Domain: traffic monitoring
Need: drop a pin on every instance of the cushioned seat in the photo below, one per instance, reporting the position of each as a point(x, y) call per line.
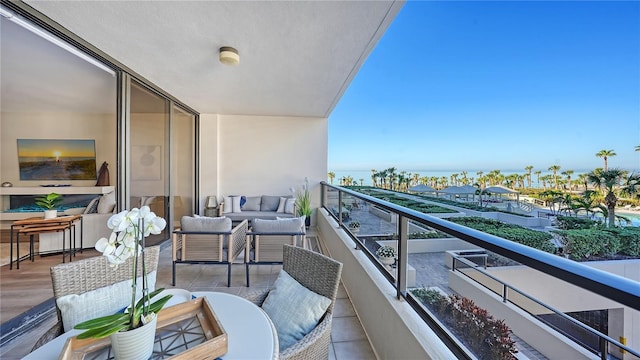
point(206, 240)
point(86, 282)
point(267, 237)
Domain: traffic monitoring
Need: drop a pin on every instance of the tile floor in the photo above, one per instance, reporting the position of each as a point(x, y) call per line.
point(348, 339)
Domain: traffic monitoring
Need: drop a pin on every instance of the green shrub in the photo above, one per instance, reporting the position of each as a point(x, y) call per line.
point(574, 223)
point(629, 239)
point(584, 244)
point(532, 238)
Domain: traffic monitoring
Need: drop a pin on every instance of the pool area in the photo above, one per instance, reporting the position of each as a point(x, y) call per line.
point(633, 217)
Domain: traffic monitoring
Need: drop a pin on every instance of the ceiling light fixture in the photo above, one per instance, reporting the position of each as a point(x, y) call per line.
point(54, 39)
point(229, 56)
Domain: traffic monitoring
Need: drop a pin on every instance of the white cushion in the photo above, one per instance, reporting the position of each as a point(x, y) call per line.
point(293, 309)
point(289, 205)
point(99, 302)
point(281, 204)
point(107, 203)
point(236, 203)
point(228, 205)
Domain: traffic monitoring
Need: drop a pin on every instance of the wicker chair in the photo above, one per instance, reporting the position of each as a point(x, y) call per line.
point(264, 243)
point(89, 274)
point(199, 241)
point(321, 275)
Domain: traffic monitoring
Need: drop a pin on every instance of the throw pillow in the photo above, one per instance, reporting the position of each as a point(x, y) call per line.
point(107, 203)
point(289, 205)
point(243, 199)
point(252, 204)
point(99, 302)
point(236, 203)
point(228, 205)
point(92, 207)
point(281, 205)
point(269, 203)
point(293, 309)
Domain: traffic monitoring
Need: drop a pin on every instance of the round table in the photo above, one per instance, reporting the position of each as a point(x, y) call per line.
point(251, 334)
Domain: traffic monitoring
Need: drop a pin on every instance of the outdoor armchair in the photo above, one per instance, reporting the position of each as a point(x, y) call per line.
point(84, 276)
point(321, 275)
point(204, 240)
point(266, 238)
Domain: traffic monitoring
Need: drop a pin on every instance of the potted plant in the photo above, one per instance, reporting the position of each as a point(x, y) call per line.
point(386, 254)
point(140, 318)
point(354, 226)
point(49, 202)
point(303, 202)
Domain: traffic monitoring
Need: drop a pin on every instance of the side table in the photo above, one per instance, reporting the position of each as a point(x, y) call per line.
point(37, 225)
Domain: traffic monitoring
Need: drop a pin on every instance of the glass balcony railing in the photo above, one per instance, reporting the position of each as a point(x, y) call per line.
point(488, 297)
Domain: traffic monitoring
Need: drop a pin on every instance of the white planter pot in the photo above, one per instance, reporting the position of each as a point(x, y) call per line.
point(387, 260)
point(136, 344)
point(50, 214)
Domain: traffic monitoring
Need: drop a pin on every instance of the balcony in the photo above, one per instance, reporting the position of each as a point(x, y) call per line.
point(549, 304)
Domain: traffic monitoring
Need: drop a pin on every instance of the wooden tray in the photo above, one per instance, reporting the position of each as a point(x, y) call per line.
point(212, 343)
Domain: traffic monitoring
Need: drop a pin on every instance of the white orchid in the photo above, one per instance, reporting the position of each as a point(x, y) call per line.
point(124, 240)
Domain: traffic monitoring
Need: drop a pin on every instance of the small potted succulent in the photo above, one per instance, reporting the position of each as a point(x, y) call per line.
point(386, 254)
point(49, 202)
point(354, 226)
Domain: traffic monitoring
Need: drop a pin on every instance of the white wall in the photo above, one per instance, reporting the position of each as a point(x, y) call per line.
point(256, 155)
point(101, 127)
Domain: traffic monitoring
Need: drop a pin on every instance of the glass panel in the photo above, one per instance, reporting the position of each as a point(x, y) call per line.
point(183, 160)
point(149, 162)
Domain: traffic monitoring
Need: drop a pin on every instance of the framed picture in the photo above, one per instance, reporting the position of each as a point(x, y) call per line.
point(52, 159)
point(212, 202)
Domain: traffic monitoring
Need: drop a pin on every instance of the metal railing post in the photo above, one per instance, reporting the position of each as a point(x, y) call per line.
point(403, 257)
point(505, 295)
point(340, 208)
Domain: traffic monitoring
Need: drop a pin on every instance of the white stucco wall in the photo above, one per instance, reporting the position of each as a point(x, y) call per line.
point(261, 155)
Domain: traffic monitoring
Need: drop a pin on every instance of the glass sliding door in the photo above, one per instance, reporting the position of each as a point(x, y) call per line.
point(149, 160)
point(182, 163)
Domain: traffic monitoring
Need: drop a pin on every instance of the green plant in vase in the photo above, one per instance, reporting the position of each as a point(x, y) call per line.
point(50, 203)
point(303, 201)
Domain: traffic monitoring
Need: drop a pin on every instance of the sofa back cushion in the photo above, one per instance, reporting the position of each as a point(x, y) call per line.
point(288, 225)
point(269, 203)
point(252, 203)
point(205, 224)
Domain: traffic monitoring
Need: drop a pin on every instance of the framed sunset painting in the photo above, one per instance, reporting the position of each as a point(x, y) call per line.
point(44, 159)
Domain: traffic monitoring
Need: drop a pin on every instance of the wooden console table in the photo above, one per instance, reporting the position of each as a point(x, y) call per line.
point(38, 225)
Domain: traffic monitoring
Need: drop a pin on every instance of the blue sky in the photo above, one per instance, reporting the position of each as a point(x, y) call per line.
point(495, 85)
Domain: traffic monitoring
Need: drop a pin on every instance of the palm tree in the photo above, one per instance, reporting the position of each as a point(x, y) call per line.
point(554, 169)
point(374, 177)
point(361, 182)
point(605, 154)
point(637, 147)
point(538, 172)
point(631, 186)
point(607, 180)
point(583, 179)
point(586, 202)
point(528, 168)
point(568, 174)
point(551, 197)
point(332, 176)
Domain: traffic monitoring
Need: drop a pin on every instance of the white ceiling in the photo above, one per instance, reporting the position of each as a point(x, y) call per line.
point(296, 58)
